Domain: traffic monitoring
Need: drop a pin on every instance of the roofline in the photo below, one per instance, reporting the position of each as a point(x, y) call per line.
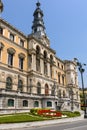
point(11, 26)
point(69, 61)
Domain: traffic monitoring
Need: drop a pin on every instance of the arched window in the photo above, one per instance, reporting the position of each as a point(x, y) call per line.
point(59, 78)
point(36, 104)
point(59, 93)
point(51, 63)
point(45, 63)
point(38, 88)
point(49, 104)
point(38, 58)
point(10, 103)
point(25, 103)
point(1, 48)
point(53, 90)
point(63, 79)
point(1, 30)
point(51, 59)
point(63, 94)
point(46, 90)
point(9, 83)
point(45, 54)
point(20, 85)
point(77, 95)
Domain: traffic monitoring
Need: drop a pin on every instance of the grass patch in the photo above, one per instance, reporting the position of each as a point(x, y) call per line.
point(17, 118)
point(29, 117)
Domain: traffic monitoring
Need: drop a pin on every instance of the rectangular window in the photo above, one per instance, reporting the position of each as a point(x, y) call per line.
point(45, 68)
point(21, 63)
point(58, 78)
point(51, 71)
point(1, 31)
point(30, 60)
point(63, 80)
point(21, 42)
point(58, 64)
point(0, 54)
point(11, 37)
point(62, 67)
point(10, 59)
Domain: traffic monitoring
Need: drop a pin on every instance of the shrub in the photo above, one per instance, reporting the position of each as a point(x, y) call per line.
point(77, 113)
point(33, 111)
point(71, 114)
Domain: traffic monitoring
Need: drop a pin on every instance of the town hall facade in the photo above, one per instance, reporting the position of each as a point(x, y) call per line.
point(31, 75)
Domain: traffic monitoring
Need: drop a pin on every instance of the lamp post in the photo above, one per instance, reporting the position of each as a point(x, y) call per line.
point(81, 70)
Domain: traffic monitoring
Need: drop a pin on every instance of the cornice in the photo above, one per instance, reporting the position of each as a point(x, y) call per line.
point(59, 59)
point(9, 41)
point(12, 70)
point(2, 21)
point(69, 61)
point(39, 75)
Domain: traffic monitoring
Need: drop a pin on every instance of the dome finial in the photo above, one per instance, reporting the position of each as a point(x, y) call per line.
point(38, 4)
point(1, 6)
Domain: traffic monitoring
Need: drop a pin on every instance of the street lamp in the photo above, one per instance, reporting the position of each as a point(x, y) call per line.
point(81, 69)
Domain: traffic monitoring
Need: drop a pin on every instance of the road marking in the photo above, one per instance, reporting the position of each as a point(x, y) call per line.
point(77, 128)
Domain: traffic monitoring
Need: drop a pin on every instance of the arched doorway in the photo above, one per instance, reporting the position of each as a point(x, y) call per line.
point(46, 90)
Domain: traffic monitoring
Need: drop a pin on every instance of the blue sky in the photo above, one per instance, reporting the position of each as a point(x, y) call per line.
point(65, 22)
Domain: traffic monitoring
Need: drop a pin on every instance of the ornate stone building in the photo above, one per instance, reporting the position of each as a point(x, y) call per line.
point(31, 75)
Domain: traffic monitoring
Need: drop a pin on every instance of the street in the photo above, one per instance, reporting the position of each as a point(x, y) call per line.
point(77, 125)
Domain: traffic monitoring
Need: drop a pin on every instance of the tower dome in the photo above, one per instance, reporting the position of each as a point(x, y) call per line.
point(38, 27)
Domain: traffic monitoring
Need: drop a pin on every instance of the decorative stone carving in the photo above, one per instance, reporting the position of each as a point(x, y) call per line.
point(21, 55)
point(1, 45)
point(11, 50)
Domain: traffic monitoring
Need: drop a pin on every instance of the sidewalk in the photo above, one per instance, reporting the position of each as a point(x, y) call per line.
point(39, 123)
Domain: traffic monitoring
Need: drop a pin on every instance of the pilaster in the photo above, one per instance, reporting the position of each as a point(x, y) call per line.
point(34, 62)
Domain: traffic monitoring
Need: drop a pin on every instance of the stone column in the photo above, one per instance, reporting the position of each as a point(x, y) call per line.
point(42, 64)
point(48, 65)
point(54, 72)
point(0, 103)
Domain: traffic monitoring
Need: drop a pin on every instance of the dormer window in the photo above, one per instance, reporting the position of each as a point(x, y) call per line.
point(21, 43)
point(11, 37)
point(1, 30)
